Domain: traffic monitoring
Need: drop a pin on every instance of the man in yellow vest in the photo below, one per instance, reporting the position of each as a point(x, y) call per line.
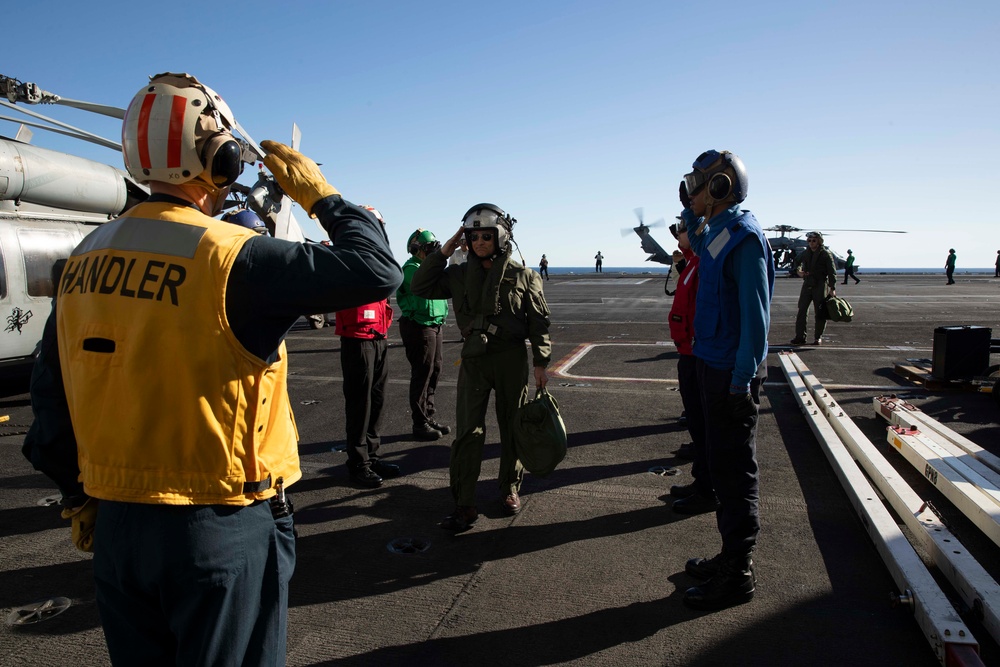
point(172, 364)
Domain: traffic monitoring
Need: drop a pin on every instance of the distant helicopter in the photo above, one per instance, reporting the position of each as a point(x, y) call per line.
point(786, 248)
point(648, 243)
point(50, 200)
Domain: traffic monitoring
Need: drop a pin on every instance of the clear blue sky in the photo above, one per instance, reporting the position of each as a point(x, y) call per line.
point(874, 115)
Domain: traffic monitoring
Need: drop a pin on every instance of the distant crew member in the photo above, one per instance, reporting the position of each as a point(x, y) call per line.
point(543, 267)
point(698, 496)
point(173, 379)
point(600, 261)
point(732, 316)
point(949, 266)
point(996, 274)
point(849, 268)
point(816, 266)
point(420, 328)
point(461, 253)
point(498, 305)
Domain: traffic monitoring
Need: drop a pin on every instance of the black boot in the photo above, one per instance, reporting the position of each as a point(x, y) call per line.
point(734, 584)
point(697, 503)
point(704, 568)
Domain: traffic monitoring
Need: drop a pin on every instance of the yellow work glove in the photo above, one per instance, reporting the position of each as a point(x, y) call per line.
point(297, 175)
point(84, 521)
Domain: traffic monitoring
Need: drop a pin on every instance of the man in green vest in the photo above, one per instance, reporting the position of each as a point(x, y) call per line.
point(849, 268)
point(420, 328)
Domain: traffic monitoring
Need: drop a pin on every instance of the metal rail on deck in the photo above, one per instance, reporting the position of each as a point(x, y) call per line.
point(950, 639)
point(959, 484)
point(900, 413)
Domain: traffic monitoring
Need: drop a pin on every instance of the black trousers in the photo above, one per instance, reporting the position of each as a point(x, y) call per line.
point(732, 460)
point(424, 352)
point(949, 272)
point(687, 380)
point(363, 362)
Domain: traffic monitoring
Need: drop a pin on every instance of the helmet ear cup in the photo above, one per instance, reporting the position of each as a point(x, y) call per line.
point(720, 187)
point(222, 157)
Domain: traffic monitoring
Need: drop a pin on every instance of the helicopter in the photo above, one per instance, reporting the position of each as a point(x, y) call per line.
point(50, 200)
point(786, 248)
point(648, 243)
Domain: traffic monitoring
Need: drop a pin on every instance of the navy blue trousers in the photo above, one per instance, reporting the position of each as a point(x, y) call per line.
point(687, 381)
point(193, 584)
point(732, 460)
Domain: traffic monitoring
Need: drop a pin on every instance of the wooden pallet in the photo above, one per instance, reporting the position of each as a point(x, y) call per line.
point(919, 371)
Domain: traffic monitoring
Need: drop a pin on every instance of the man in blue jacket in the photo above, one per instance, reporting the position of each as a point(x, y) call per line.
point(732, 316)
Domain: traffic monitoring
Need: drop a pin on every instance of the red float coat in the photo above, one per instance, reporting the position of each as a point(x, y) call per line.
point(681, 317)
point(367, 322)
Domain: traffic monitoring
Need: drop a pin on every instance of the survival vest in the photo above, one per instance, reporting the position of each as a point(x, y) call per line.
point(717, 313)
point(167, 406)
point(369, 321)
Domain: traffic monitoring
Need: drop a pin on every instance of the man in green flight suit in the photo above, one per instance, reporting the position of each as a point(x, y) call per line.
point(498, 305)
point(815, 264)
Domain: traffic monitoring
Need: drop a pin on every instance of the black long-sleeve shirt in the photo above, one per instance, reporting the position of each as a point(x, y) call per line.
point(272, 283)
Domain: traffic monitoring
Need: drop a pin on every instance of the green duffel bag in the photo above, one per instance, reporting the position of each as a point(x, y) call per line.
point(838, 310)
point(539, 434)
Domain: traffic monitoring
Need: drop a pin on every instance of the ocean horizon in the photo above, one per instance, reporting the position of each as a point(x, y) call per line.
point(660, 269)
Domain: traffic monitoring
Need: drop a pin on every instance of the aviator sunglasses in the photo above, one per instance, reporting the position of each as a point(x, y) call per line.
point(486, 236)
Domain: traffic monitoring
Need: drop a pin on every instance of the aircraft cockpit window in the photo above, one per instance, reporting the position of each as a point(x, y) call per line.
point(40, 249)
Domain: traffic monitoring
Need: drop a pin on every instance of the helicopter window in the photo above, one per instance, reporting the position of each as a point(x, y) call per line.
point(3, 275)
point(40, 249)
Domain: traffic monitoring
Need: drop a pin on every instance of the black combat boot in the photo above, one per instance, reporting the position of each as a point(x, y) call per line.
point(734, 584)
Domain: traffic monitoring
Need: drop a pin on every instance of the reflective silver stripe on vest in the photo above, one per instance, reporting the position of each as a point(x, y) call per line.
point(719, 242)
point(160, 237)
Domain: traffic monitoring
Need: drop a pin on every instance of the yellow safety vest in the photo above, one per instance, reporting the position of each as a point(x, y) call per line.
point(167, 406)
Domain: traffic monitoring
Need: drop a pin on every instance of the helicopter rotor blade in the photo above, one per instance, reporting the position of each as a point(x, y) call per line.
point(873, 231)
point(638, 214)
point(659, 223)
point(626, 231)
point(102, 109)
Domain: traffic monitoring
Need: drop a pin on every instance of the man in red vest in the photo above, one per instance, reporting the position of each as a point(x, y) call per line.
point(364, 362)
point(698, 496)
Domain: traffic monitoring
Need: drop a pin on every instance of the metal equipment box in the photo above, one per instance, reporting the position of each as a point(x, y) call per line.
point(961, 353)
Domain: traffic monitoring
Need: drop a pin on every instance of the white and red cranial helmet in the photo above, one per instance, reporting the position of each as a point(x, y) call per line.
point(176, 129)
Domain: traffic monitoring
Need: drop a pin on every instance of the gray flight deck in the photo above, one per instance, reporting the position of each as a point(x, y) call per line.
point(592, 570)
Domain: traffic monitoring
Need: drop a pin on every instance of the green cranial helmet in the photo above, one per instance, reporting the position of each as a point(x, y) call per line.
point(422, 239)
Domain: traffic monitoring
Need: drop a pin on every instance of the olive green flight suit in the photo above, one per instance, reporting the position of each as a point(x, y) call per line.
point(816, 286)
point(494, 358)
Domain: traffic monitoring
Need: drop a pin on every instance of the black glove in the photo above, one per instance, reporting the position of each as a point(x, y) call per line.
point(741, 406)
point(685, 198)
